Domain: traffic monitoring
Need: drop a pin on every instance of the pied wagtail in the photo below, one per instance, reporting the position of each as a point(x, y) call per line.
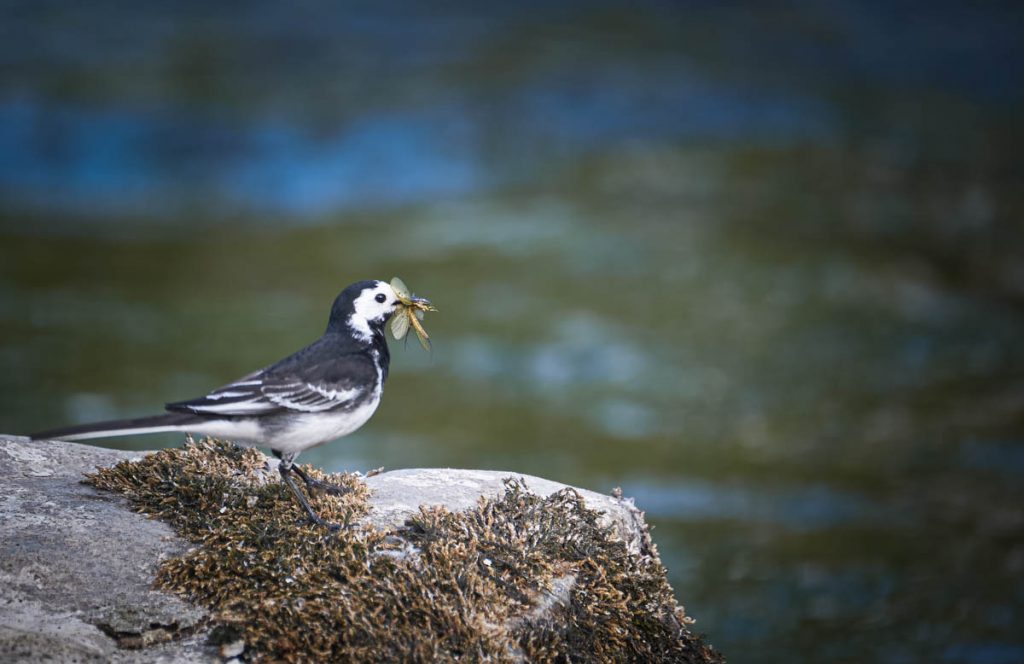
point(324, 391)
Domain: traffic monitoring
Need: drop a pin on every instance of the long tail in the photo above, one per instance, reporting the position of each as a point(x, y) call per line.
point(139, 425)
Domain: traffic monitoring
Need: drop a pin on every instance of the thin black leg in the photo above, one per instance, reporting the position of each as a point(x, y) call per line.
point(326, 487)
point(285, 470)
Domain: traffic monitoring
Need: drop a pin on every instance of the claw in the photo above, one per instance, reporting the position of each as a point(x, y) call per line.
point(313, 518)
point(326, 487)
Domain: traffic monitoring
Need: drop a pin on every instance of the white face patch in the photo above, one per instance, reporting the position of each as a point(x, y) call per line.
point(367, 309)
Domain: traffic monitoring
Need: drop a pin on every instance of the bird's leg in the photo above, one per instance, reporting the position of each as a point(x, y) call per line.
point(326, 487)
point(285, 468)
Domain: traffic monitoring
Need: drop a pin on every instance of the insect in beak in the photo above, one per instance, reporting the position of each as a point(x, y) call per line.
point(408, 313)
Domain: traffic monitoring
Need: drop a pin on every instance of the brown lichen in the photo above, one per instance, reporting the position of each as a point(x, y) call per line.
point(518, 577)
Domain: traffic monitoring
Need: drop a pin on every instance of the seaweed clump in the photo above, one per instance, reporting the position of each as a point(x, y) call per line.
point(518, 578)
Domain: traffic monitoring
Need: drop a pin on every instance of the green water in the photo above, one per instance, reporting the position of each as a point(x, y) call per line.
point(738, 263)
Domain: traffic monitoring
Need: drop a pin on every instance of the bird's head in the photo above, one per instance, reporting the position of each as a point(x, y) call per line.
point(363, 308)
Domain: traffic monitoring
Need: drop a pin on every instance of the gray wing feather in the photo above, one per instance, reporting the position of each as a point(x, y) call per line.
point(260, 396)
point(314, 379)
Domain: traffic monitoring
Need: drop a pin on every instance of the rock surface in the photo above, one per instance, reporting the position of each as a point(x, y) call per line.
point(77, 566)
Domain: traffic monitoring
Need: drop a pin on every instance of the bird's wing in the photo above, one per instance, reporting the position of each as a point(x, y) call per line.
point(322, 388)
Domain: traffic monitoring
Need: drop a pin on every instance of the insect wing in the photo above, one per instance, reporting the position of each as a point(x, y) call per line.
point(401, 290)
point(425, 343)
point(400, 323)
point(421, 334)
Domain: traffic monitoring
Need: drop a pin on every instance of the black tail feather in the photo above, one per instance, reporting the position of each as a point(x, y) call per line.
point(111, 428)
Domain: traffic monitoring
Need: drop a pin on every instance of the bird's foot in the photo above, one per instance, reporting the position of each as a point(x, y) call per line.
point(326, 487)
point(331, 527)
point(311, 516)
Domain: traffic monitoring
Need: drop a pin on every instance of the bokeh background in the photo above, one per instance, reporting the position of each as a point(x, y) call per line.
point(760, 265)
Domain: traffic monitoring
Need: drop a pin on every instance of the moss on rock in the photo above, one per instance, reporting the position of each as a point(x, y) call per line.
point(519, 577)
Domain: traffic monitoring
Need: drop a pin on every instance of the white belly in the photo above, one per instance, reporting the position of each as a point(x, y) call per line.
point(302, 433)
point(307, 432)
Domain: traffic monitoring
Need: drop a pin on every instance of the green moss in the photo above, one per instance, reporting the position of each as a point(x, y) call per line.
point(517, 577)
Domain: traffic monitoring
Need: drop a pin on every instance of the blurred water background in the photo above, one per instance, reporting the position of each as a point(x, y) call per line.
point(761, 265)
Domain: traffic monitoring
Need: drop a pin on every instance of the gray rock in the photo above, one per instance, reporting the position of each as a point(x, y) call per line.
point(77, 566)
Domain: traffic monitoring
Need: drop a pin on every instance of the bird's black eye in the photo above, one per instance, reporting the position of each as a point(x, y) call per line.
point(381, 297)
